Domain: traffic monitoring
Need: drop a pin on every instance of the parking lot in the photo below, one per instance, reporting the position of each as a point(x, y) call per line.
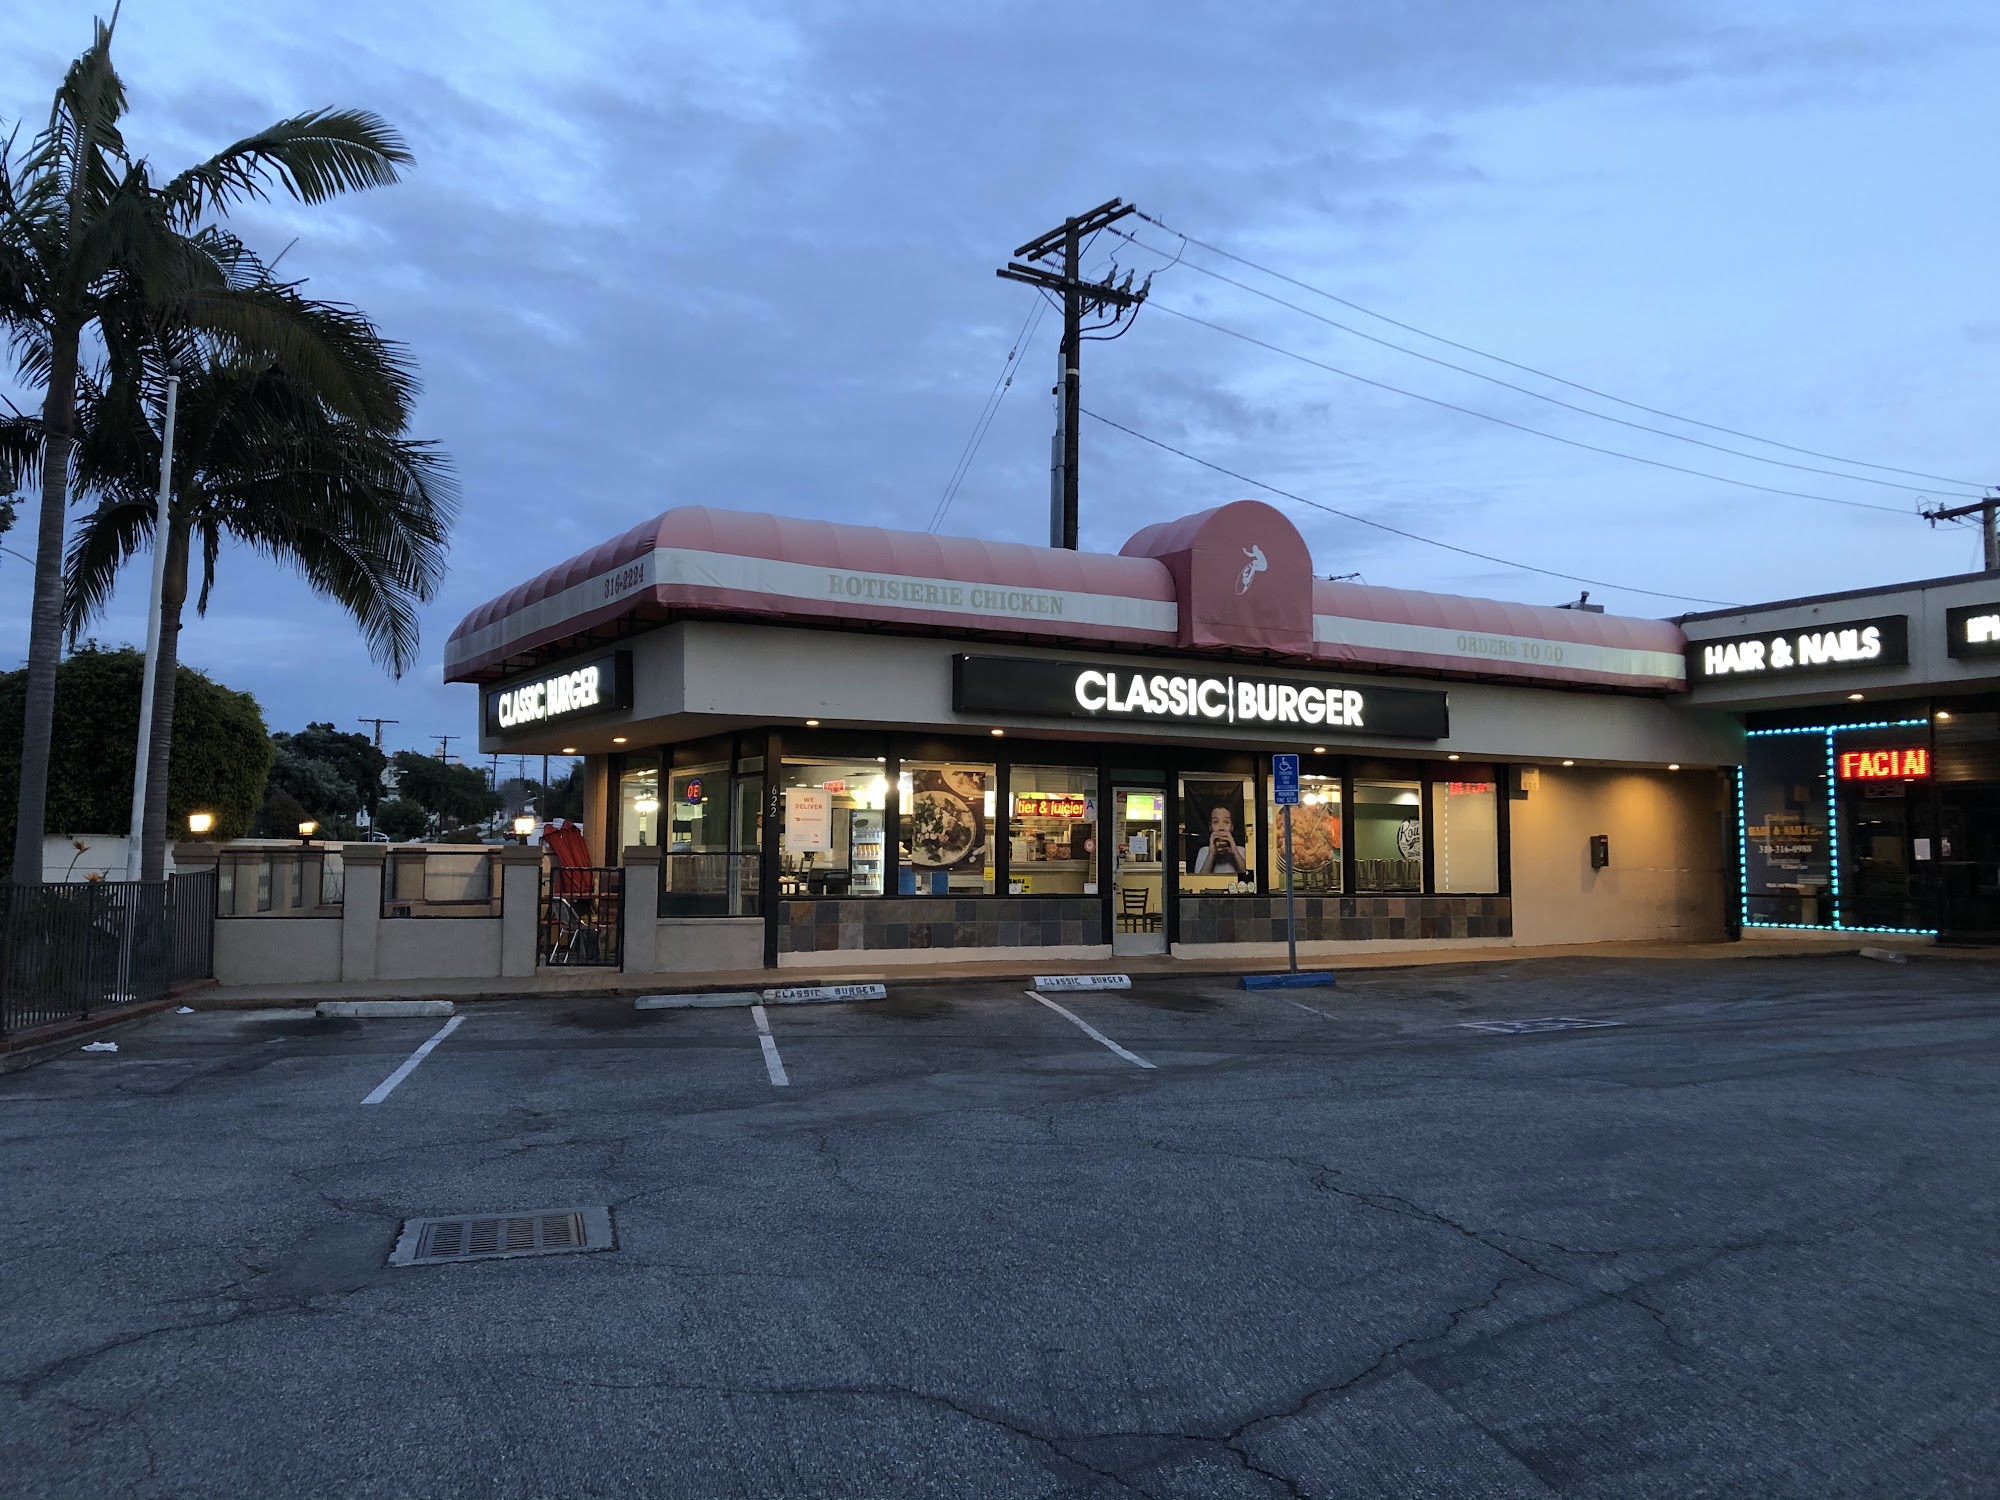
point(1423, 1234)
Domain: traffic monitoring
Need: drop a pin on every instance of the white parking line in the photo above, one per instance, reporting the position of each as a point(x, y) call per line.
point(772, 1063)
point(1090, 1031)
point(388, 1085)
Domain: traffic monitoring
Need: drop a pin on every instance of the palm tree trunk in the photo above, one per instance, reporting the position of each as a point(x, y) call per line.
point(173, 599)
point(45, 622)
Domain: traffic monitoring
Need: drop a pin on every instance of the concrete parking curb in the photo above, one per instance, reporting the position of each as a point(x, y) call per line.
point(383, 1009)
point(807, 994)
point(713, 1000)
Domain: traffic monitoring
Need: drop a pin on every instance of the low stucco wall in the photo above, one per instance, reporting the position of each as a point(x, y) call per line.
point(277, 950)
point(438, 948)
point(1665, 882)
point(694, 944)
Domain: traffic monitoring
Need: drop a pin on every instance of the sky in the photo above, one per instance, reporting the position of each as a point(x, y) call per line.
point(742, 255)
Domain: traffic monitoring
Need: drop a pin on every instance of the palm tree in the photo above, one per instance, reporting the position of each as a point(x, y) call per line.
point(88, 240)
point(266, 456)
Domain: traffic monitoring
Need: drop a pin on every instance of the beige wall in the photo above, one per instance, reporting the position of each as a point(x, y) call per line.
point(438, 948)
point(1665, 881)
point(693, 944)
point(277, 950)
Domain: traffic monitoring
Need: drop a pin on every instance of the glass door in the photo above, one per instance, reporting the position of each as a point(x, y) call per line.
point(1139, 825)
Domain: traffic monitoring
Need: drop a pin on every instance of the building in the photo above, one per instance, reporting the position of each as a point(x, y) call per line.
point(839, 739)
point(1869, 791)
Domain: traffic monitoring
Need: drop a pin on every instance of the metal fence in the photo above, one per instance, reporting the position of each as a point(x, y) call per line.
point(71, 951)
point(582, 917)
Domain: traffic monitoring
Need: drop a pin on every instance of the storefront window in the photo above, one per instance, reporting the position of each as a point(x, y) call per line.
point(1465, 826)
point(697, 811)
point(1787, 850)
point(1318, 835)
point(1388, 836)
point(639, 805)
point(948, 828)
point(1053, 832)
point(830, 841)
point(1217, 834)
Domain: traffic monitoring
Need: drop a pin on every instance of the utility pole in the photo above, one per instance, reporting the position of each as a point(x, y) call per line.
point(1080, 298)
point(444, 746)
point(1988, 511)
point(378, 723)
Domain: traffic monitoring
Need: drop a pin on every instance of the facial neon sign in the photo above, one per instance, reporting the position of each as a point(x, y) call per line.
point(1883, 765)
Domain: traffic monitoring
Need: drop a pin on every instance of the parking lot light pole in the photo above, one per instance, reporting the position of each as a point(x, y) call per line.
point(160, 533)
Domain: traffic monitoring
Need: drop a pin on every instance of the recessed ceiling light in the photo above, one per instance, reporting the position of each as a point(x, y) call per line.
point(1451, 757)
point(1319, 749)
point(1854, 697)
point(999, 731)
point(1569, 762)
point(812, 723)
point(569, 749)
point(1943, 714)
point(617, 739)
point(1674, 766)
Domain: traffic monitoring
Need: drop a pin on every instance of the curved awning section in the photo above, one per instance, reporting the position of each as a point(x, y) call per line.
point(703, 561)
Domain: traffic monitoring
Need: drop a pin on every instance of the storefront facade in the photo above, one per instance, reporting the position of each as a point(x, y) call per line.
point(844, 740)
point(1869, 794)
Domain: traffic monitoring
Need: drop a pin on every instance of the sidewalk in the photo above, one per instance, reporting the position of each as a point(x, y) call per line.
point(558, 983)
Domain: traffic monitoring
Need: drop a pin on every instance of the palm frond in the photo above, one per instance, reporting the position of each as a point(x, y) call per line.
point(313, 156)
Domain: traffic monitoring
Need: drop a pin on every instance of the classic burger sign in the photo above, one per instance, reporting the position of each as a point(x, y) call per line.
point(1129, 690)
point(576, 691)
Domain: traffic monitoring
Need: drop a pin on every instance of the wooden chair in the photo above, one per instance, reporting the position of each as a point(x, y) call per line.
point(1135, 909)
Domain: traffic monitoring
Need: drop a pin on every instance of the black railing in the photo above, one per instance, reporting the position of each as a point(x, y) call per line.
point(72, 951)
point(717, 884)
point(583, 915)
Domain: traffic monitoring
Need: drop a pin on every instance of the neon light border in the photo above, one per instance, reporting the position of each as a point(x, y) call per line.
point(1828, 731)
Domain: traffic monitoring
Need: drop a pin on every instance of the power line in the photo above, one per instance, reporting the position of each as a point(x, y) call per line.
point(1546, 375)
point(1505, 562)
point(1554, 437)
point(1003, 383)
point(1679, 437)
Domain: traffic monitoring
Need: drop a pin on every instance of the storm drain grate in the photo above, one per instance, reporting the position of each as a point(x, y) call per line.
point(1539, 1023)
point(553, 1231)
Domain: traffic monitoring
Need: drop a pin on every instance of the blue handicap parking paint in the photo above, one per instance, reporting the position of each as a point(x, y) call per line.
point(1303, 979)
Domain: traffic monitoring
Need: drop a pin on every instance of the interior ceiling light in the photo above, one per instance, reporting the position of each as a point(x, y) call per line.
point(1674, 766)
point(1943, 714)
point(812, 723)
point(1854, 697)
point(617, 739)
point(569, 749)
point(1569, 762)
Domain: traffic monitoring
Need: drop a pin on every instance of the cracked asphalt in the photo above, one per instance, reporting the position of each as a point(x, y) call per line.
point(1336, 1244)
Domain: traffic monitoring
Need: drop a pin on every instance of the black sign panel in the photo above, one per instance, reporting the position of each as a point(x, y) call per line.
point(562, 695)
point(1130, 691)
point(1845, 645)
point(1973, 630)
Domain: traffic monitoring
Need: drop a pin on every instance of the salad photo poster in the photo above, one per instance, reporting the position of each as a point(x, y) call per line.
point(945, 821)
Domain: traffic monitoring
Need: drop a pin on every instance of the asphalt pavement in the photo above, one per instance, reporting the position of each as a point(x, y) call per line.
point(1573, 1227)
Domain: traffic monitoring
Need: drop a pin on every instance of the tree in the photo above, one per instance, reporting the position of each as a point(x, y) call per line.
point(304, 462)
point(314, 785)
point(402, 820)
point(454, 797)
point(565, 798)
point(89, 245)
point(353, 756)
point(222, 752)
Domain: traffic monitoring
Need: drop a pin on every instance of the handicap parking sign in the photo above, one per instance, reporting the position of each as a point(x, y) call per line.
point(1285, 780)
